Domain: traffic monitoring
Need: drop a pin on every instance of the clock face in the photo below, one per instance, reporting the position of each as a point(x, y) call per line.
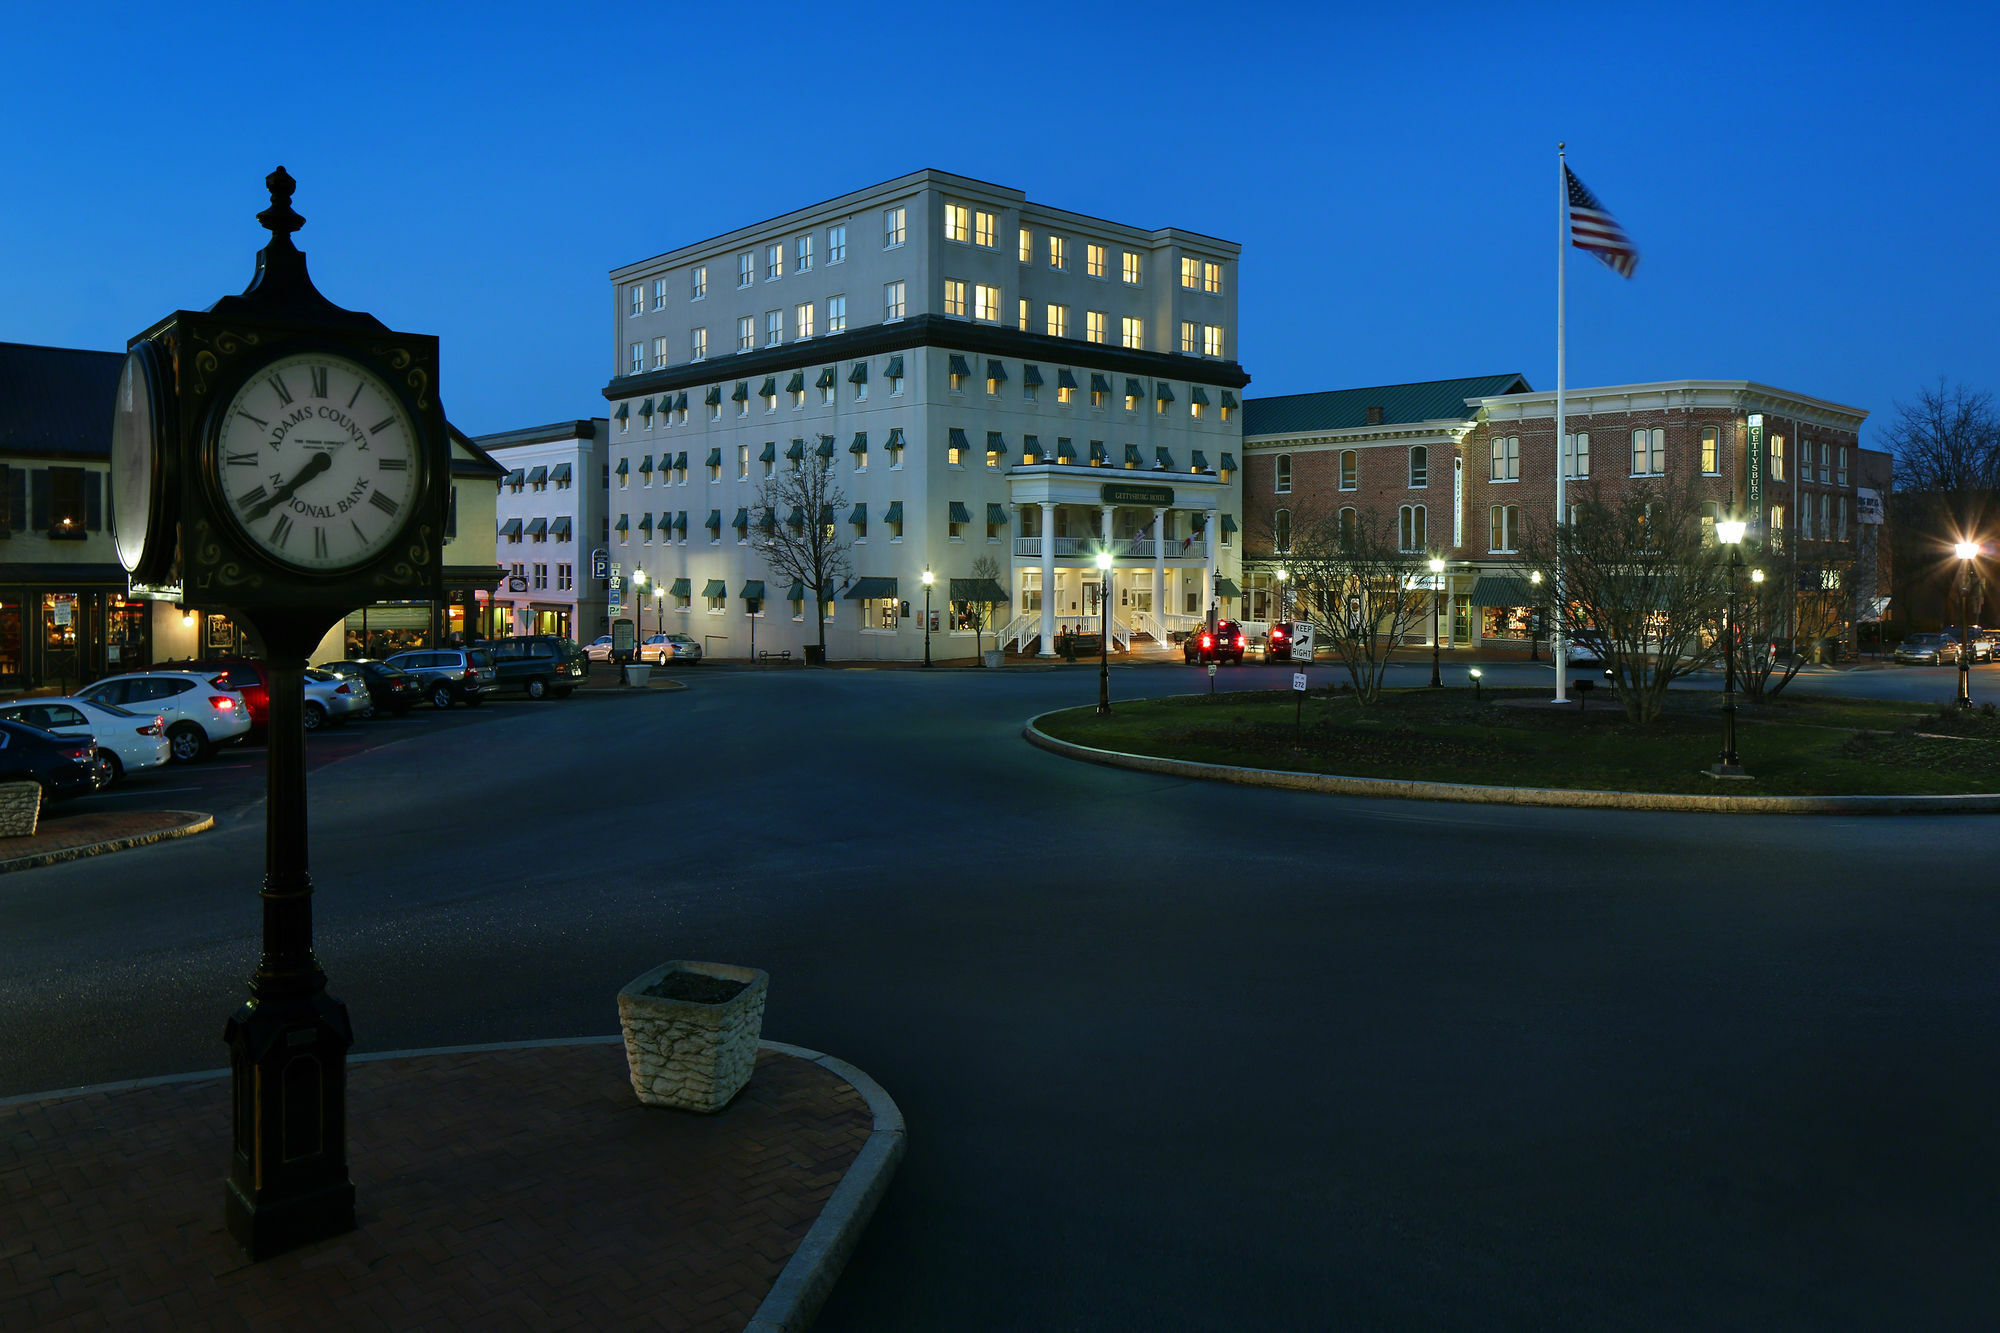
point(318, 462)
point(135, 443)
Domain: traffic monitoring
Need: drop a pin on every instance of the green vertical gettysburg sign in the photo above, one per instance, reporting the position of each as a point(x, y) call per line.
point(1753, 470)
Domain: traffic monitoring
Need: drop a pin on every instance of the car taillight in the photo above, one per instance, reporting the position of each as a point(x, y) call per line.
point(472, 673)
point(342, 688)
point(1207, 641)
point(154, 728)
point(1239, 641)
point(221, 703)
point(1277, 633)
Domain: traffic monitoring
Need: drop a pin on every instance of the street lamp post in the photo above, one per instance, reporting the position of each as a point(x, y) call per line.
point(1104, 638)
point(638, 615)
point(1966, 553)
point(1437, 581)
point(929, 579)
point(1534, 645)
point(1730, 533)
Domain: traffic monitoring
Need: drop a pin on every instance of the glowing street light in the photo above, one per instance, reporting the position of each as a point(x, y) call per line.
point(1437, 581)
point(1966, 552)
point(1730, 533)
point(1104, 639)
point(929, 579)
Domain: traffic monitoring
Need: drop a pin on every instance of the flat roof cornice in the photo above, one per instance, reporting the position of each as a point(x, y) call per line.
point(1741, 395)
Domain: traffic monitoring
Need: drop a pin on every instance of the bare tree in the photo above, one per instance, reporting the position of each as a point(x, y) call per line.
point(1802, 598)
point(973, 611)
point(1643, 579)
point(1947, 442)
point(1353, 582)
point(805, 548)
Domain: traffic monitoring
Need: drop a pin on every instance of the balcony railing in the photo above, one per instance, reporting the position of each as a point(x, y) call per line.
point(1124, 548)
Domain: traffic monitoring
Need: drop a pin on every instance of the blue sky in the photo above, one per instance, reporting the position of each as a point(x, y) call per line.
point(1811, 187)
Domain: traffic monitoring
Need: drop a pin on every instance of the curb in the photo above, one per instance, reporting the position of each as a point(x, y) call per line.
point(1407, 790)
point(193, 823)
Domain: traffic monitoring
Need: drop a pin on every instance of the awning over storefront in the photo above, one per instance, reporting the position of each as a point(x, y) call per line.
point(1227, 588)
point(977, 590)
point(867, 589)
point(1503, 590)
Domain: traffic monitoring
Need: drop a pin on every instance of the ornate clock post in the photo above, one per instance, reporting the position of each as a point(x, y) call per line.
point(288, 460)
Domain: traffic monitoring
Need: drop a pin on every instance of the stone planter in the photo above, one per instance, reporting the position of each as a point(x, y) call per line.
point(996, 658)
point(693, 1053)
point(20, 808)
point(638, 673)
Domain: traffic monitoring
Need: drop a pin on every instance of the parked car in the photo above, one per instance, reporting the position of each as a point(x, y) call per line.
point(1224, 643)
point(198, 710)
point(65, 766)
point(331, 700)
point(540, 665)
point(1586, 650)
point(680, 648)
point(1278, 645)
point(126, 742)
point(385, 689)
point(248, 676)
point(449, 675)
point(1929, 649)
point(598, 649)
point(1980, 640)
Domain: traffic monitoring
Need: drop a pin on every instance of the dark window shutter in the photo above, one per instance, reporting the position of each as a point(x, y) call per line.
point(93, 501)
point(39, 518)
point(10, 508)
point(451, 516)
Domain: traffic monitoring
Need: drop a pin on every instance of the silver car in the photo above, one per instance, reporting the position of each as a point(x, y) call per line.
point(1928, 649)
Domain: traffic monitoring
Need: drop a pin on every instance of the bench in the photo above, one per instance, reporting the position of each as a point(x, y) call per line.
point(784, 655)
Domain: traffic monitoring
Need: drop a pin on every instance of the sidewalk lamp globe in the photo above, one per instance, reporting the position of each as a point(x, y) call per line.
point(1730, 531)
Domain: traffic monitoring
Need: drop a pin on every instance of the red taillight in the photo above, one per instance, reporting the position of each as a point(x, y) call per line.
point(342, 689)
point(1239, 641)
point(221, 703)
point(1207, 641)
point(472, 673)
point(154, 728)
point(1276, 634)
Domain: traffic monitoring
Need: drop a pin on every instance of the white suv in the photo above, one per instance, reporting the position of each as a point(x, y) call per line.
point(199, 713)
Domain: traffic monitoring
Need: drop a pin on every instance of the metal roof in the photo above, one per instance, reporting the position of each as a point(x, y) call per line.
point(1347, 409)
point(57, 400)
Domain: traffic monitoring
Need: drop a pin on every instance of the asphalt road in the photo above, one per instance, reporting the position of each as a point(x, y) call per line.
point(1173, 1055)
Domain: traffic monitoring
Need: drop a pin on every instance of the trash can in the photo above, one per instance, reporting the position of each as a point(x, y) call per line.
point(637, 673)
point(1826, 651)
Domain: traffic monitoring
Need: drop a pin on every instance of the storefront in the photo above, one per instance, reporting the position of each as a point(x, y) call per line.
point(69, 635)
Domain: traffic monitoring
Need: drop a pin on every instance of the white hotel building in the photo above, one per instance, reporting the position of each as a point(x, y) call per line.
point(991, 378)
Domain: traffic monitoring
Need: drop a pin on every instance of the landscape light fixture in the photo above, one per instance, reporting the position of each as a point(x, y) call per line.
point(1966, 552)
point(1104, 639)
point(1476, 674)
point(929, 579)
point(1437, 580)
point(1730, 533)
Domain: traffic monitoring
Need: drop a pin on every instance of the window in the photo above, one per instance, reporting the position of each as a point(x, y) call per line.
point(565, 577)
point(1711, 451)
point(659, 293)
point(1065, 388)
point(955, 376)
point(1134, 331)
point(836, 243)
point(1840, 534)
point(1211, 340)
point(1344, 528)
point(698, 282)
point(659, 353)
point(984, 230)
point(1506, 527)
point(1778, 523)
point(892, 302)
point(1840, 478)
point(954, 452)
point(803, 250)
point(986, 303)
point(746, 332)
point(1281, 531)
point(1777, 468)
point(894, 374)
point(1228, 527)
point(1283, 474)
point(638, 299)
point(836, 314)
point(1211, 278)
point(746, 268)
point(774, 327)
point(957, 223)
point(1505, 463)
point(1058, 322)
point(1825, 461)
point(802, 317)
point(1027, 246)
point(1131, 267)
point(1410, 527)
point(1350, 469)
point(892, 227)
point(1058, 253)
point(826, 383)
point(1190, 274)
point(995, 374)
point(954, 297)
point(541, 581)
point(1825, 514)
point(1577, 447)
point(1093, 260)
point(774, 261)
point(638, 357)
point(1806, 519)
point(716, 600)
point(1649, 452)
point(742, 462)
point(697, 344)
point(1420, 470)
point(1026, 315)
point(1131, 395)
point(1190, 337)
point(953, 521)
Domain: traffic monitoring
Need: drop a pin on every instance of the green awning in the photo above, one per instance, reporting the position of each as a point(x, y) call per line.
point(1228, 398)
point(538, 527)
point(825, 380)
point(1031, 448)
point(959, 513)
point(1098, 457)
point(646, 464)
point(741, 393)
point(681, 401)
point(996, 514)
point(1200, 461)
point(1228, 462)
point(1163, 392)
point(623, 413)
point(797, 518)
point(826, 516)
point(977, 590)
point(895, 437)
point(797, 383)
point(797, 592)
point(1132, 458)
point(742, 520)
point(1198, 394)
point(796, 450)
point(1227, 588)
point(1163, 459)
point(714, 395)
point(996, 370)
point(1065, 380)
point(1504, 590)
point(770, 454)
point(623, 524)
point(767, 520)
point(894, 370)
point(1098, 384)
point(753, 589)
point(680, 461)
point(894, 513)
point(958, 366)
point(561, 474)
point(859, 515)
point(561, 528)
point(769, 388)
point(680, 588)
point(646, 522)
point(517, 478)
point(858, 375)
point(867, 589)
point(538, 476)
point(958, 440)
point(1229, 522)
point(681, 521)
point(1134, 388)
point(860, 445)
point(646, 408)
point(825, 449)
point(1065, 451)
point(714, 520)
point(511, 529)
point(996, 443)
point(715, 457)
point(624, 467)
point(1031, 377)
point(715, 588)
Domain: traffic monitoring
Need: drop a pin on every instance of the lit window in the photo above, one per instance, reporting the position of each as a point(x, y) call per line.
point(804, 250)
point(1026, 315)
point(954, 297)
point(1131, 265)
point(774, 261)
point(1350, 469)
point(892, 227)
point(1505, 527)
point(1135, 331)
point(746, 332)
point(1191, 274)
point(1420, 467)
point(742, 462)
point(774, 327)
point(659, 293)
point(1211, 278)
point(1058, 252)
point(957, 222)
point(984, 226)
point(1058, 322)
point(986, 303)
point(1281, 531)
point(836, 314)
point(892, 301)
point(1649, 451)
point(1711, 453)
point(1211, 340)
point(698, 282)
point(1283, 473)
point(1410, 527)
point(802, 317)
point(1093, 261)
point(1190, 337)
point(836, 244)
point(1027, 246)
point(746, 268)
point(1065, 389)
point(1778, 459)
point(1577, 447)
point(1504, 462)
point(697, 344)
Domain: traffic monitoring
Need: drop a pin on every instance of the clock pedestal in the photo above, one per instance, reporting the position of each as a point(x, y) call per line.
point(288, 1182)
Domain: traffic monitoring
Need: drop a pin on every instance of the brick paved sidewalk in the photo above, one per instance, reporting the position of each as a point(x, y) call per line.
point(63, 837)
point(495, 1189)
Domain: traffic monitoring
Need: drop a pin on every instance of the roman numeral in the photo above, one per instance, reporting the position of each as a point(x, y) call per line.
point(357, 394)
point(357, 530)
point(393, 464)
point(249, 498)
point(281, 530)
point(261, 423)
point(319, 543)
point(318, 374)
point(384, 502)
point(284, 394)
point(381, 425)
point(243, 460)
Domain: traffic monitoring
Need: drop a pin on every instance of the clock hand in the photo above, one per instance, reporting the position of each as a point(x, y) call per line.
point(315, 465)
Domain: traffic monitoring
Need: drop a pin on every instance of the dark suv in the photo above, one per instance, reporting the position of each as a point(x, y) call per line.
point(449, 675)
point(541, 665)
point(1224, 643)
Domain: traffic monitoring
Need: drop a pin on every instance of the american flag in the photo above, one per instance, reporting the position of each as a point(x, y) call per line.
point(1592, 228)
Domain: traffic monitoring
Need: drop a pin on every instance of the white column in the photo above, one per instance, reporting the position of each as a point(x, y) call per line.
point(1110, 585)
point(1208, 554)
point(1160, 574)
point(1048, 648)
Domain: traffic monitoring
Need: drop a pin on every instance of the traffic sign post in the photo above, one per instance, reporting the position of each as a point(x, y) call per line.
point(1299, 689)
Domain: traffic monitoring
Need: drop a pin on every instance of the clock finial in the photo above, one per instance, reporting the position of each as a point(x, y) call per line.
point(279, 219)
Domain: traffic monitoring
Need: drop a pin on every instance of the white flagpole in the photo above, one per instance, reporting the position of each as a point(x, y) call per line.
point(1557, 640)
